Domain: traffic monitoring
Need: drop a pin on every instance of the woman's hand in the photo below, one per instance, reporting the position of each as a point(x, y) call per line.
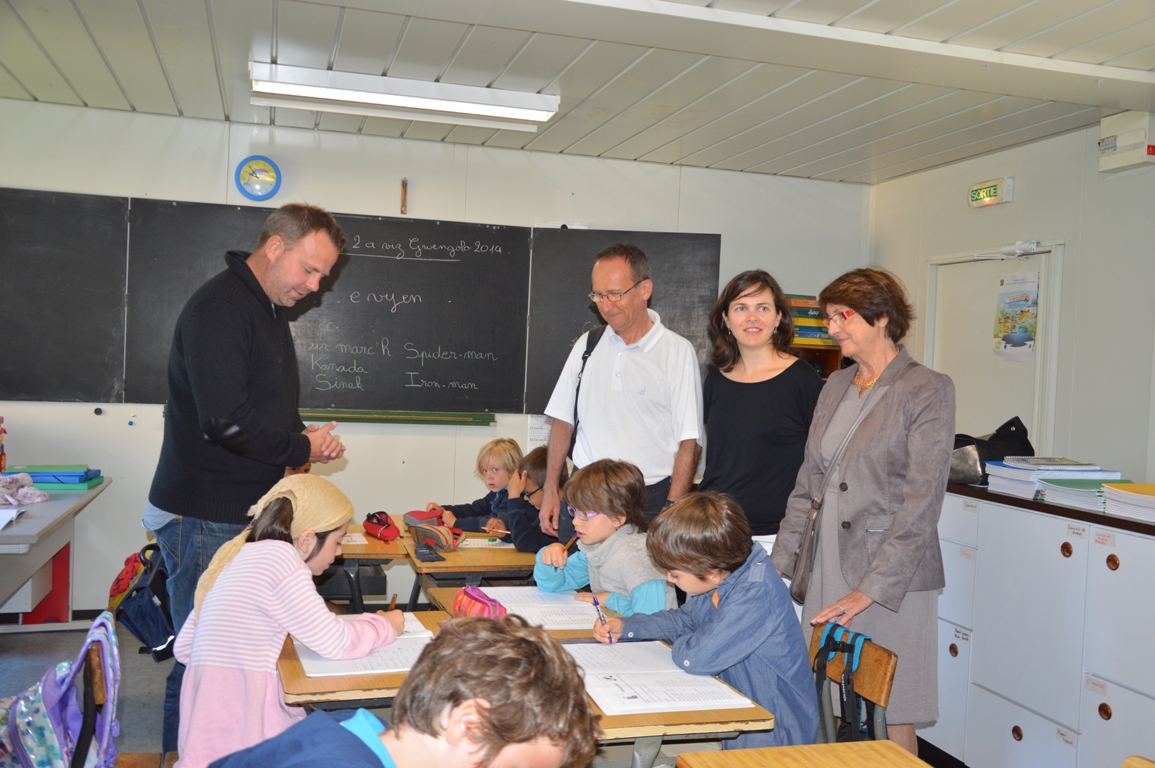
point(844, 610)
point(516, 485)
point(612, 628)
point(554, 555)
point(396, 619)
point(588, 597)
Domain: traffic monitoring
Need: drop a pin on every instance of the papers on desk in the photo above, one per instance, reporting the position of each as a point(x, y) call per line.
point(398, 656)
point(475, 542)
point(8, 516)
point(353, 538)
point(637, 678)
point(549, 610)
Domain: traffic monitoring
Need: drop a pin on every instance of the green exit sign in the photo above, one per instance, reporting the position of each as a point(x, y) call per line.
point(992, 192)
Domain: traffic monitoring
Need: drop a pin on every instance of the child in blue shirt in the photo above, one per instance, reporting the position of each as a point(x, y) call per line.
point(526, 491)
point(607, 501)
point(496, 461)
point(738, 622)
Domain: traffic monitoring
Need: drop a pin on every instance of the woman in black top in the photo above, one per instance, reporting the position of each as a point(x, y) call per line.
point(758, 400)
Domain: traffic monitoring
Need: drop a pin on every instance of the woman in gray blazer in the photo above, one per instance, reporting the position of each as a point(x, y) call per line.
point(878, 562)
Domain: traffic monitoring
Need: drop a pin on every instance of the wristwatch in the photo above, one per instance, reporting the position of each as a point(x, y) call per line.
point(669, 503)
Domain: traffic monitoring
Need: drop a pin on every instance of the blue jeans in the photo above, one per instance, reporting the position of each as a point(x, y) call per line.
point(187, 546)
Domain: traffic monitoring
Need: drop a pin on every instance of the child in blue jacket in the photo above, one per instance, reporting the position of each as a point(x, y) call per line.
point(496, 461)
point(738, 622)
point(526, 491)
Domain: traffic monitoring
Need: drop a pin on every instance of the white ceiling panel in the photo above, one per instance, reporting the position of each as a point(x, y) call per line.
point(592, 69)
point(1134, 37)
point(886, 15)
point(1141, 59)
point(119, 30)
point(367, 41)
point(650, 72)
point(1028, 20)
point(539, 63)
point(10, 89)
point(821, 11)
point(759, 7)
point(1105, 20)
point(935, 108)
point(484, 56)
point(294, 118)
point(955, 18)
point(331, 121)
point(306, 33)
point(466, 134)
point(705, 76)
point(244, 33)
point(182, 34)
point(427, 131)
point(28, 63)
point(426, 49)
point(384, 126)
point(61, 32)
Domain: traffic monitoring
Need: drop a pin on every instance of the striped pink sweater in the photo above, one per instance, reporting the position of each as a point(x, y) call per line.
point(231, 697)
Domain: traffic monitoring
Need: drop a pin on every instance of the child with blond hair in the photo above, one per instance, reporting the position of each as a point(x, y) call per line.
point(496, 461)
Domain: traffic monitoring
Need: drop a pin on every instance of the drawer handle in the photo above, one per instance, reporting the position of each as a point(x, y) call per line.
point(953, 649)
point(1067, 549)
point(1113, 562)
point(1105, 711)
point(1017, 733)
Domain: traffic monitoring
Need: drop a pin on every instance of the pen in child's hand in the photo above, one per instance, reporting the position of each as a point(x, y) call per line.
point(602, 618)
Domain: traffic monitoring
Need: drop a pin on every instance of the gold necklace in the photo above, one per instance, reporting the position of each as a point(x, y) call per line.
point(858, 381)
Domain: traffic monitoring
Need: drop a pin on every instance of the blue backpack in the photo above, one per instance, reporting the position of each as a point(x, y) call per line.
point(51, 726)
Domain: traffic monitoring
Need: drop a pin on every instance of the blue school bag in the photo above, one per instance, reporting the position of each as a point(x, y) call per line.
point(51, 726)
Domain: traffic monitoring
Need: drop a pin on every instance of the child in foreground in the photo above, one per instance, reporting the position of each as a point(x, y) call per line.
point(738, 622)
point(258, 589)
point(496, 461)
point(526, 491)
point(607, 501)
point(484, 693)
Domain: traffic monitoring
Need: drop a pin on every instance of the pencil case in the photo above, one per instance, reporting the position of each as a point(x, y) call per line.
point(437, 536)
point(423, 517)
point(380, 526)
point(471, 601)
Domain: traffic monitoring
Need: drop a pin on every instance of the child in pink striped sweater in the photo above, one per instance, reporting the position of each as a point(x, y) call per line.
point(258, 589)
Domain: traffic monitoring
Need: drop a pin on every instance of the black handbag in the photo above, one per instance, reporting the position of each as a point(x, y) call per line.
point(1008, 440)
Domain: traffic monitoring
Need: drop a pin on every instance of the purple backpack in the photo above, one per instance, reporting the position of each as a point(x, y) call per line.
point(48, 726)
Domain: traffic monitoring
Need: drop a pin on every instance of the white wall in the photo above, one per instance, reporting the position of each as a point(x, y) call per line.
point(803, 232)
point(1105, 383)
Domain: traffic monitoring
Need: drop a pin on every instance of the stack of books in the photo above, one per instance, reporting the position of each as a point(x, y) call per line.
point(59, 477)
point(1132, 500)
point(1021, 475)
point(1080, 494)
point(807, 317)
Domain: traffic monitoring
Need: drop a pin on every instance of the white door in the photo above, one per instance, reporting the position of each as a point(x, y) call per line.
point(988, 390)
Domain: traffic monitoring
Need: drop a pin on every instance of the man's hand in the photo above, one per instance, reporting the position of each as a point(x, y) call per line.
point(550, 510)
point(324, 446)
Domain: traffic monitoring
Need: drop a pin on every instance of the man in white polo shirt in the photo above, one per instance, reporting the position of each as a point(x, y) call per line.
point(640, 398)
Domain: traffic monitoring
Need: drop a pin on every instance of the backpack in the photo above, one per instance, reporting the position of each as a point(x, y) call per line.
point(47, 726)
point(143, 608)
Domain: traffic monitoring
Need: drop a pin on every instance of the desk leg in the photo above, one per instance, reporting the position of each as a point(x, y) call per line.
point(353, 573)
point(414, 594)
point(473, 579)
point(646, 751)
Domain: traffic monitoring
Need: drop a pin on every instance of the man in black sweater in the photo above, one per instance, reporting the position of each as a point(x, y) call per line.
point(233, 361)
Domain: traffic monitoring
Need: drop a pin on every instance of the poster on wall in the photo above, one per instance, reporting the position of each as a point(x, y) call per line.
point(1017, 317)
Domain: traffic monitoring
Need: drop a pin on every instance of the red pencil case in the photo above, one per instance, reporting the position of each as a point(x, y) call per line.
point(380, 526)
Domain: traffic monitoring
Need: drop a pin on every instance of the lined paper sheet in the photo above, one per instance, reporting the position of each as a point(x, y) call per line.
point(511, 596)
point(353, 538)
point(651, 656)
point(414, 627)
point(476, 542)
point(551, 610)
point(398, 656)
point(629, 693)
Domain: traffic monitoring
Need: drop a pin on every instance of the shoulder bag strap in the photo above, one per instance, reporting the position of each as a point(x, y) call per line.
point(592, 340)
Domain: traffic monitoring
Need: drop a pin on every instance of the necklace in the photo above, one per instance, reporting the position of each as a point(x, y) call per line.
point(865, 385)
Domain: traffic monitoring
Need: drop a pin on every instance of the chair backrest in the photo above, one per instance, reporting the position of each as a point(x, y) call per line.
point(1138, 762)
point(875, 674)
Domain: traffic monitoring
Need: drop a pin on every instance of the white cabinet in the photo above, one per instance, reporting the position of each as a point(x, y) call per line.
point(1116, 723)
point(1120, 601)
point(959, 521)
point(954, 665)
point(1030, 589)
point(1001, 734)
point(956, 601)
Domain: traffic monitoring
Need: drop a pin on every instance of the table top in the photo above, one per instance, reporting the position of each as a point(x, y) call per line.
point(860, 754)
point(470, 560)
point(300, 689)
point(373, 549)
point(702, 723)
point(442, 598)
point(42, 518)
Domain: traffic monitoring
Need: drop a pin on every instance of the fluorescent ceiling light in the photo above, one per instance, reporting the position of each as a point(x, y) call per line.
point(352, 93)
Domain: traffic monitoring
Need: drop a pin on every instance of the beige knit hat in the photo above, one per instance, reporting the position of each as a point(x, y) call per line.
point(318, 506)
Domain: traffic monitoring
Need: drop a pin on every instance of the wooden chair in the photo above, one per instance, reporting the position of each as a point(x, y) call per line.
point(872, 681)
point(1138, 762)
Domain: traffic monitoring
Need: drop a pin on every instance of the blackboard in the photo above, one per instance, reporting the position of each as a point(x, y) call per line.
point(415, 316)
point(685, 288)
point(62, 262)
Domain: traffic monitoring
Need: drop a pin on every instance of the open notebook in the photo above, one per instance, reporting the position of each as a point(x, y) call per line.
point(550, 610)
point(398, 656)
point(636, 678)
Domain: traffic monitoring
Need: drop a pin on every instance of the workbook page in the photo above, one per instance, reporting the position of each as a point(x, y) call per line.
point(398, 656)
point(631, 693)
point(652, 656)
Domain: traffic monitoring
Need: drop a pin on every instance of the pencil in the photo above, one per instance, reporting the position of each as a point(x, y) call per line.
point(569, 543)
point(393, 602)
point(497, 532)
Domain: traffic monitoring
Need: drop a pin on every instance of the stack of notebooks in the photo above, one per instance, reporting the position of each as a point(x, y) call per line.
point(807, 317)
point(1080, 494)
point(59, 477)
point(1132, 500)
point(1022, 475)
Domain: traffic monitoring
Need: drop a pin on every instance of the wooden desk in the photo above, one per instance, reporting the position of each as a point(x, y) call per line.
point(861, 754)
point(372, 552)
point(442, 599)
point(470, 565)
point(347, 691)
point(37, 535)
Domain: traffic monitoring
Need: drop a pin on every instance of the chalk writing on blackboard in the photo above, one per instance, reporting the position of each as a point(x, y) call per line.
point(412, 249)
point(394, 299)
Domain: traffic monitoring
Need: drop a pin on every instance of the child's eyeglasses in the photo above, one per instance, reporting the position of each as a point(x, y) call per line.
point(579, 514)
point(528, 494)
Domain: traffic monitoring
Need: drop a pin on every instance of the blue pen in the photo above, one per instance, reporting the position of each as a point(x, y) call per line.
point(602, 617)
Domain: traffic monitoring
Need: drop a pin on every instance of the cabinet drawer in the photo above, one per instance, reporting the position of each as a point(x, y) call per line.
point(1116, 723)
point(956, 601)
point(954, 666)
point(959, 520)
point(1120, 575)
point(1001, 734)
